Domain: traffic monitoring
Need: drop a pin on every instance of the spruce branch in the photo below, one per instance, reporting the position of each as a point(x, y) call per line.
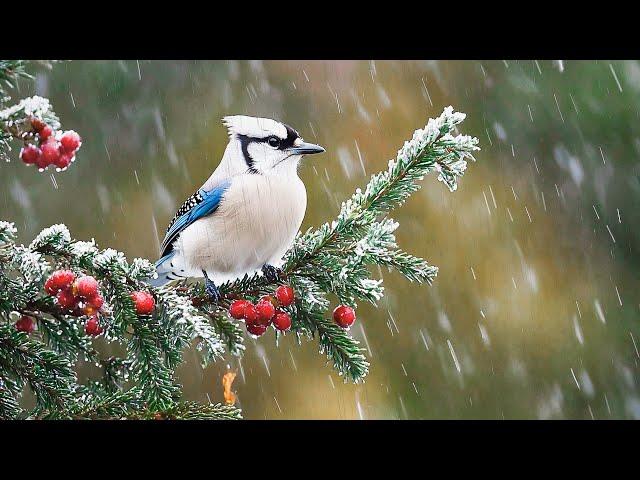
point(116, 372)
point(64, 335)
point(180, 311)
point(335, 258)
point(197, 411)
point(342, 349)
point(11, 71)
point(9, 394)
point(17, 122)
point(50, 376)
point(93, 404)
point(431, 148)
point(338, 259)
point(25, 120)
point(152, 374)
point(230, 333)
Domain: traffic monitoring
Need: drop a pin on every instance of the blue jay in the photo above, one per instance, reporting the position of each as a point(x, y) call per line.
point(246, 215)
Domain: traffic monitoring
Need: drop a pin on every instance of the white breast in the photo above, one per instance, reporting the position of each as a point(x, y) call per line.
point(254, 225)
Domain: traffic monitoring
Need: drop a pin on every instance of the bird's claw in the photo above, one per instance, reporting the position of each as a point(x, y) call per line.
point(211, 289)
point(272, 273)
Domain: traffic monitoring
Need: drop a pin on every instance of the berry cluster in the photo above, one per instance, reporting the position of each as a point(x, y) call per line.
point(81, 296)
point(77, 296)
point(265, 312)
point(54, 147)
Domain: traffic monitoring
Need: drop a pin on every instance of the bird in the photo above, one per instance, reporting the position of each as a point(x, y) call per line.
point(246, 214)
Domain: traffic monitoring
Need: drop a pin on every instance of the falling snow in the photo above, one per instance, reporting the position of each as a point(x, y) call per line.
point(534, 313)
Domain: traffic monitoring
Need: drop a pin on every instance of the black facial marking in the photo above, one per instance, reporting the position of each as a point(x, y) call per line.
point(292, 135)
point(244, 144)
point(245, 140)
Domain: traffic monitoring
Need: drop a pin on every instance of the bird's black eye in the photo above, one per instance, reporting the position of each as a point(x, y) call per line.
point(273, 142)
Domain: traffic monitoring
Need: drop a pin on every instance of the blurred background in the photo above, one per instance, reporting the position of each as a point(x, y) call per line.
point(534, 313)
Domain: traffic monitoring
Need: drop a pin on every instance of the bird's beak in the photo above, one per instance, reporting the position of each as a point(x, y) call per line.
point(304, 148)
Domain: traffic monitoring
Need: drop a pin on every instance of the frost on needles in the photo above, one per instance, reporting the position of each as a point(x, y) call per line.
point(335, 259)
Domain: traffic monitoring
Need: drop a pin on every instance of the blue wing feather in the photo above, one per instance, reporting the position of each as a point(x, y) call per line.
point(199, 205)
point(165, 258)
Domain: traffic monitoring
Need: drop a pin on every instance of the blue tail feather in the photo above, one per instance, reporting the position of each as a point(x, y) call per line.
point(166, 271)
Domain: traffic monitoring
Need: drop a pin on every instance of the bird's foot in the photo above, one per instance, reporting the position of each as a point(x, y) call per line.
point(211, 289)
point(271, 273)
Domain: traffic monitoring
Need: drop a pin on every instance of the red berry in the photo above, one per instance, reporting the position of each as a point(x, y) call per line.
point(30, 154)
point(344, 316)
point(96, 301)
point(49, 287)
point(282, 321)
point(50, 152)
point(63, 161)
point(251, 314)
point(59, 280)
point(284, 294)
point(144, 302)
point(67, 300)
point(70, 141)
point(237, 308)
point(42, 162)
point(37, 124)
point(45, 133)
point(92, 327)
point(266, 311)
point(271, 299)
point(25, 324)
point(86, 287)
point(256, 329)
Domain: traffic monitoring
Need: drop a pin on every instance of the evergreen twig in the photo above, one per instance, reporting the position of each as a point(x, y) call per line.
point(336, 259)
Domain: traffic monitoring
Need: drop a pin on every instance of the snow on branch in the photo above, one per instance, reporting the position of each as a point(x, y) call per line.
point(57, 294)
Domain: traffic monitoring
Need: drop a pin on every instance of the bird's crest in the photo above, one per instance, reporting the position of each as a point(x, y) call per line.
point(254, 127)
